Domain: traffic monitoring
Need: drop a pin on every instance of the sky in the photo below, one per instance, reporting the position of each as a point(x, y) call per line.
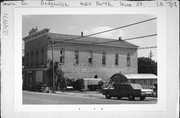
point(88, 24)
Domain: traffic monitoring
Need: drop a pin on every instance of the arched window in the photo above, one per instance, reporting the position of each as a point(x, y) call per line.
point(90, 57)
point(103, 58)
point(27, 59)
point(116, 59)
point(37, 56)
point(62, 55)
point(76, 54)
point(128, 60)
point(42, 56)
point(31, 58)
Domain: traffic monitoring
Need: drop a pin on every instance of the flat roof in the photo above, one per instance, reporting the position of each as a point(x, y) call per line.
point(140, 76)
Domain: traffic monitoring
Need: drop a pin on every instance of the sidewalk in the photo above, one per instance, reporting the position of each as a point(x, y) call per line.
point(81, 93)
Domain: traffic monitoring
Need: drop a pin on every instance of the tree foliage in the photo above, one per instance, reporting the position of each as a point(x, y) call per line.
point(60, 81)
point(147, 65)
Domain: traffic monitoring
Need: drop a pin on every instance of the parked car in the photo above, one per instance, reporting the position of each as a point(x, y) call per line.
point(45, 89)
point(155, 88)
point(130, 90)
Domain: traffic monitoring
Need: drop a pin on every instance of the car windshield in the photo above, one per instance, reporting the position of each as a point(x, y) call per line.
point(136, 86)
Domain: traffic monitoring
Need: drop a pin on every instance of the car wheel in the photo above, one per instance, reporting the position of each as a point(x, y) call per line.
point(108, 96)
point(131, 97)
point(142, 98)
point(119, 97)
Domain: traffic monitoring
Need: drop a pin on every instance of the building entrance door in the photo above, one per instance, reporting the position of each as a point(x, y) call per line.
point(30, 79)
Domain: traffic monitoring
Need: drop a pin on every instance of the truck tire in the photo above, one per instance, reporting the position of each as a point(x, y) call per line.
point(108, 96)
point(131, 97)
point(142, 98)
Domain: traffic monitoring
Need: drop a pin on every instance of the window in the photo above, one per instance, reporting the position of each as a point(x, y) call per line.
point(125, 87)
point(37, 57)
point(90, 57)
point(27, 59)
point(116, 59)
point(76, 54)
point(61, 60)
point(42, 56)
point(132, 81)
point(103, 58)
point(128, 60)
point(32, 58)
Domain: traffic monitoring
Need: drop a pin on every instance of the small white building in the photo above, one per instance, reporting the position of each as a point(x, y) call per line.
point(145, 80)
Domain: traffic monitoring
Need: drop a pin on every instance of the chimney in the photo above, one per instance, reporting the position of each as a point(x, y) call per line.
point(82, 34)
point(120, 38)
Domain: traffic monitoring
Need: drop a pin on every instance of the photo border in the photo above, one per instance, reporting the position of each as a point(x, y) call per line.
point(161, 59)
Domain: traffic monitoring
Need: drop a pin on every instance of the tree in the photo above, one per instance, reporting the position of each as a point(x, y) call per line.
point(60, 81)
point(146, 65)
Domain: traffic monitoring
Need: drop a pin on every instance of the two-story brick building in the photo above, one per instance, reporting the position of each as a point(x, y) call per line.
point(80, 58)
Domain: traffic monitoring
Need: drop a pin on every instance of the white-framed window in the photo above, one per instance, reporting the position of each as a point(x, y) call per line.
point(37, 56)
point(42, 56)
point(90, 57)
point(27, 59)
point(31, 57)
point(76, 54)
point(62, 55)
point(128, 60)
point(116, 59)
point(103, 58)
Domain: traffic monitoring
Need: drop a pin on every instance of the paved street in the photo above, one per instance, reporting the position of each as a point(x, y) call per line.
point(77, 98)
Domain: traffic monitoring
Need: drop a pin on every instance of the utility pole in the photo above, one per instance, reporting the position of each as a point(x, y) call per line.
point(150, 54)
point(52, 45)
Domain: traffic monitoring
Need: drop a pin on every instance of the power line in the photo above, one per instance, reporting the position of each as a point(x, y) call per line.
point(108, 42)
point(145, 36)
point(141, 37)
point(127, 39)
point(151, 54)
point(109, 30)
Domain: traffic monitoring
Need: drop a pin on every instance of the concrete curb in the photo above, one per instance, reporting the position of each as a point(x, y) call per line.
point(85, 94)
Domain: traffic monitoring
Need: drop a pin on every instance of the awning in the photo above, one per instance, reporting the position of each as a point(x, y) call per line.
point(35, 69)
point(140, 76)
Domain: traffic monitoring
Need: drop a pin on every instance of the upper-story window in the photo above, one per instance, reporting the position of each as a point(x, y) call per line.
point(90, 57)
point(37, 56)
point(116, 59)
point(128, 60)
point(62, 55)
point(76, 54)
point(103, 58)
point(42, 56)
point(31, 57)
point(27, 59)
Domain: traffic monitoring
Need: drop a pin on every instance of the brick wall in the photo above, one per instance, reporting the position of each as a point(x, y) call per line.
point(85, 70)
point(33, 46)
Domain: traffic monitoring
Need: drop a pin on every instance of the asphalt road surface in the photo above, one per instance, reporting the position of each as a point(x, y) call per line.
point(77, 98)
